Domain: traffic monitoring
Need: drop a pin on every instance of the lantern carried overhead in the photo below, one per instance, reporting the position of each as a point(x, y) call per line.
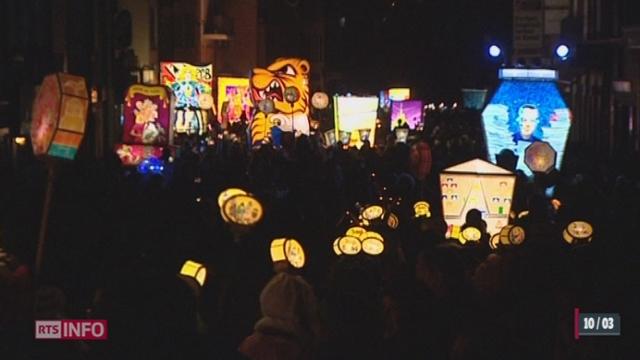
point(239, 207)
point(578, 232)
point(194, 270)
point(59, 116)
point(289, 250)
point(512, 235)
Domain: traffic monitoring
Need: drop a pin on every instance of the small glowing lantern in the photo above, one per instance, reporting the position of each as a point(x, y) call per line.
point(194, 270)
point(288, 250)
point(512, 235)
point(578, 231)
point(336, 247)
point(320, 100)
point(470, 234)
point(372, 212)
point(242, 209)
point(401, 134)
point(495, 241)
point(59, 116)
point(372, 246)
point(540, 157)
point(345, 137)
point(349, 245)
point(227, 194)
point(422, 208)
point(20, 140)
point(392, 221)
point(356, 231)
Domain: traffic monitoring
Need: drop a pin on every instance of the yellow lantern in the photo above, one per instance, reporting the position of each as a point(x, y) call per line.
point(242, 209)
point(578, 231)
point(372, 212)
point(392, 221)
point(289, 250)
point(422, 208)
point(356, 231)
point(512, 235)
point(194, 270)
point(349, 245)
point(470, 234)
point(227, 194)
point(336, 247)
point(373, 235)
point(495, 241)
point(372, 246)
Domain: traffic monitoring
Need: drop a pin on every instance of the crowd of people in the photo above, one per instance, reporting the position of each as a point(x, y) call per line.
point(116, 240)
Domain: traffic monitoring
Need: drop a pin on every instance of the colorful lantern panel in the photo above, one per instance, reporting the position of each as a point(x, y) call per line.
point(59, 116)
point(271, 83)
point(133, 155)
point(146, 115)
point(194, 270)
point(352, 114)
point(477, 184)
point(399, 94)
point(234, 99)
point(523, 111)
point(406, 113)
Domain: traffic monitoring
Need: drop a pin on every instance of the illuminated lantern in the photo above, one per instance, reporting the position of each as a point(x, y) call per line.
point(345, 137)
point(242, 210)
point(422, 208)
point(495, 241)
point(291, 94)
point(59, 116)
point(406, 113)
point(20, 140)
point(578, 231)
point(399, 94)
point(371, 235)
point(392, 221)
point(356, 231)
point(401, 134)
point(364, 134)
point(228, 193)
point(372, 246)
point(320, 100)
point(372, 212)
point(470, 234)
point(512, 235)
point(330, 137)
point(540, 157)
point(336, 247)
point(349, 245)
point(194, 270)
point(352, 114)
point(288, 250)
point(477, 184)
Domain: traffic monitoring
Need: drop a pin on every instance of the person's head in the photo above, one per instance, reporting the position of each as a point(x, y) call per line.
point(528, 118)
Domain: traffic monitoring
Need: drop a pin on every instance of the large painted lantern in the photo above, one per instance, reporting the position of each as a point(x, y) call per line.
point(407, 113)
point(285, 76)
point(355, 116)
point(234, 99)
point(146, 127)
point(477, 184)
point(59, 116)
point(192, 88)
point(526, 108)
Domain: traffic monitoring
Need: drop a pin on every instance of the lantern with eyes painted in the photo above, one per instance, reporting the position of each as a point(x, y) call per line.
point(512, 235)
point(239, 207)
point(480, 185)
point(288, 250)
point(578, 232)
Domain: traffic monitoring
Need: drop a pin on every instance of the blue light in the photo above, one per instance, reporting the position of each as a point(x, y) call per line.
point(562, 51)
point(151, 165)
point(495, 51)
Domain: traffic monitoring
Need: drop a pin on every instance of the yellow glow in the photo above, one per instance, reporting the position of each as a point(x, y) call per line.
point(288, 249)
point(392, 221)
point(568, 238)
point(371, 234)
point(512, 235)
point(471, 234)
point(227, 194)
point(20, 140)
point(523, 214)
point(356, 231)
point(351, 114)
point(579, 230)
point(194, 270)
point(349, 245)
point(422, 208)
point(556, 204)
point(336, 248)
point(237, 101)
point(399, 94)
point(372, 212)
point(495, 241)
point(242, 210)
point(372, 246)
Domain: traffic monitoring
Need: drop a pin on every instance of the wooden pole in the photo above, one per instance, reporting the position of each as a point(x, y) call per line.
point(45, 218)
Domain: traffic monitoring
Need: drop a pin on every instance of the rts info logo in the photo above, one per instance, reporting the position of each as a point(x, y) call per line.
point(71, 329)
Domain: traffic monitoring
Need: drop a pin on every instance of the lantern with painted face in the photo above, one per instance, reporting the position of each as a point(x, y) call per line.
point(422, 209)
point(470, 234)
point(512, 235)
point(372, 212)
point(288, 250)
point(578, 232)
point(349, 245)
point(242, 209)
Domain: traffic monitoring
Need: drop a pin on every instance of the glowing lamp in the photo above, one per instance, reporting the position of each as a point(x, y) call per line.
point(336, 247)
point(372, 212)
point(512, 235)
point(401, 134)
point(194, 270)
point(288, 250)
point(372, 246)
point(59, 116)
point(540, 157)
point(392, 221)
point(242, 210)
point(349, 245)
point(422, 208)
point(151, 166)
point(562, 51)
point(320, 100)
point(470, 234)
point(495, 51)
point(330, 137)
point(364, 134)
point(578, 231)
point(20, 140)
point(356, 231)
point(227, 194)
point(495, 241)
point(291, 94)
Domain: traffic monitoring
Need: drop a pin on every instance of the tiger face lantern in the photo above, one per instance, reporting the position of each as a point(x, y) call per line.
point(271, 83)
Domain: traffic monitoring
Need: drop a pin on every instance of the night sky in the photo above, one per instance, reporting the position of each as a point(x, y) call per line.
point(433, 46)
